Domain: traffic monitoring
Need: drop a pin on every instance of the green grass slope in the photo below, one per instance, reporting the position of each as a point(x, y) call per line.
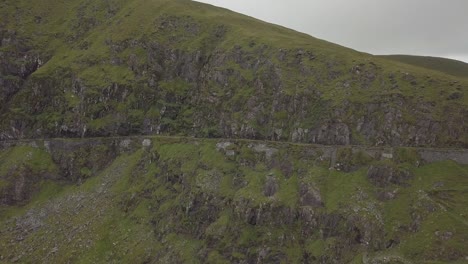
point(98, 68)
point(104, 68)
point(448, 66)
point(208, 201)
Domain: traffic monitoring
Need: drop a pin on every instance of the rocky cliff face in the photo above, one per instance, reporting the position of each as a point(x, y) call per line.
point(178, 200)
point(27, 165)
point(182, 73)
point(96, 73)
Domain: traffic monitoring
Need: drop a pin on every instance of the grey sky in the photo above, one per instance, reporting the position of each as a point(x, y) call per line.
point(419, 27)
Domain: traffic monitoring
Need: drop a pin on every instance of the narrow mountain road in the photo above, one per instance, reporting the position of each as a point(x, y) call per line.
point(142, 137)
point(427, 154)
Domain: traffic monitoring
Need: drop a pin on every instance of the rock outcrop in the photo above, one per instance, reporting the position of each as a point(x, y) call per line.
point(236, 200)
point(186, 75)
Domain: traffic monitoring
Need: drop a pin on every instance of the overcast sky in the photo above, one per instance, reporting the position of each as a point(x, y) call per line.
point(420, 27)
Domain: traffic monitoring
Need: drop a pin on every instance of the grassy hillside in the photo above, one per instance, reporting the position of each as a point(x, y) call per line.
point(93, 72)
point(448, 66)
point(209, 201)
point(98, 68)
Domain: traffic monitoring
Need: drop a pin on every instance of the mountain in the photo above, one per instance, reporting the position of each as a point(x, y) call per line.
point(185, 200)
point(169, 131)
point(107, 68)
point(448, 66)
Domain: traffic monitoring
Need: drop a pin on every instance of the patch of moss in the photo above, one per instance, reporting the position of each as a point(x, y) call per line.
point(253, 191)
point(407, 155)
point(218, 228)
point(36, 159)
point(340, 188)
point(288, 193)
point(316, 247)
point(214, 257)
